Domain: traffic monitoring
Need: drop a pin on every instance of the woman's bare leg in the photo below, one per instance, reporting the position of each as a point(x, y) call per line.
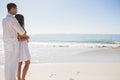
point(25, 69)
point(19, 70)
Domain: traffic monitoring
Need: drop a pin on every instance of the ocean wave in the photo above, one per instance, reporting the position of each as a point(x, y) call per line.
point(113, 44)
point(89, 45)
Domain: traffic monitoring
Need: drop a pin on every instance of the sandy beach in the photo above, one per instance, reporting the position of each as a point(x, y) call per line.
point(71, 62)
point(75, 64)
point(72, 71)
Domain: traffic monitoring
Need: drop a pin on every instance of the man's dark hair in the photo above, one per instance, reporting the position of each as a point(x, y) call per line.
point(10, 6)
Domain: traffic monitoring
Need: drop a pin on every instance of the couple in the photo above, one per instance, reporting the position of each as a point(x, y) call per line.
point(15, 44)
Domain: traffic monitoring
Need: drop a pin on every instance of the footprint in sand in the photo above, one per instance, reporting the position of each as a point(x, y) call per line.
point(71, 79)
point(78, 72)
point(52, 75)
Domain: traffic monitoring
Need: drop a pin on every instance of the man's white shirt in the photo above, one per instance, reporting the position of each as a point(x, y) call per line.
point(11, 27)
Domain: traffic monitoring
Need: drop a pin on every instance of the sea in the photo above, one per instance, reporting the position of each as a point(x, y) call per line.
point(51, 48)
point(76, 38)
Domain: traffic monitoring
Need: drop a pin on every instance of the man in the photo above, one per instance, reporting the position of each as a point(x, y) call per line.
point(11, 45)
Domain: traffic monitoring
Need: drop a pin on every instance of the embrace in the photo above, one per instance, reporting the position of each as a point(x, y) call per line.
point(15, 44)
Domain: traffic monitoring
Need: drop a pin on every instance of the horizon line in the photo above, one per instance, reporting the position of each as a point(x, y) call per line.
point(74, 33)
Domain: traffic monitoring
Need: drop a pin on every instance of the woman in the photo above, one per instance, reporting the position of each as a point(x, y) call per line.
point(24, 54)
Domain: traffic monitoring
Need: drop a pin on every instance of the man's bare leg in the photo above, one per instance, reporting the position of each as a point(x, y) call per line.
point(19, 71)
point(25, 69)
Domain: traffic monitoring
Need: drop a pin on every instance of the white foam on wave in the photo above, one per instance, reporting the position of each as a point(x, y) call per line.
point(89, 45)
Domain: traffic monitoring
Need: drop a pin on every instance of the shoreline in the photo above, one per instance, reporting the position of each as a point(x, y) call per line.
point(71, 54)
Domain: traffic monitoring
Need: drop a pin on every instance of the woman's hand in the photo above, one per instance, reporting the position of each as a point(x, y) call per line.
point(22, 39)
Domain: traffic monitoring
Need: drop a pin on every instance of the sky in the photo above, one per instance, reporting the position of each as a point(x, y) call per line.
point(67, 16)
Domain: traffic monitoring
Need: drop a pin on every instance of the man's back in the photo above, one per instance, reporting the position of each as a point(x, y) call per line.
point(10, 29)
point(8, 32)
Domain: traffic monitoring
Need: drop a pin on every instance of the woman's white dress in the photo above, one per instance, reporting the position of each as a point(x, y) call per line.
point(24, 53)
